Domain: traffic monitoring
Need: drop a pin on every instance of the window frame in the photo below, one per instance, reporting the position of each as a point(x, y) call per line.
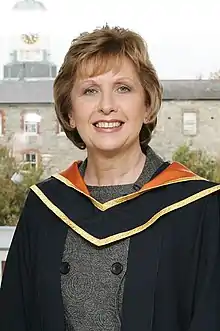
point(194, 125)
point(26, 123)
point(31, 163)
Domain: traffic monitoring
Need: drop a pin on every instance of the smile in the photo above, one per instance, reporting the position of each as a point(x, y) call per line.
point(106, 125)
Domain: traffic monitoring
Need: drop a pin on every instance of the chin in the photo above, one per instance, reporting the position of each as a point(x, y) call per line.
point(109, 148)
point(112, 146)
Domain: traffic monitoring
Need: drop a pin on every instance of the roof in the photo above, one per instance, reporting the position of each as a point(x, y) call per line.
point(26, 92)
point(41, 91)
point(29, 5)
point(191, 89)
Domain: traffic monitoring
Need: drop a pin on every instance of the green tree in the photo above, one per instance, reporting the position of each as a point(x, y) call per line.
point(12, 195)
point(199, 161)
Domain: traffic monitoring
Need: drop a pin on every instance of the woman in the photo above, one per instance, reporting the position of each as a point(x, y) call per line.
point(123, 240)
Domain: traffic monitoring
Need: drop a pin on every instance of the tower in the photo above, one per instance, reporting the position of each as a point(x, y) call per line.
point(29, 44)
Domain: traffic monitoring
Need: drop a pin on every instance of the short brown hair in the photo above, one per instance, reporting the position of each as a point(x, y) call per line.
point(104, 47)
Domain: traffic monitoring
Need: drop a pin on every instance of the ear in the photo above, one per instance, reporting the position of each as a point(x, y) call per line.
point(72, 121)
point(145, 120)
point(147, 115)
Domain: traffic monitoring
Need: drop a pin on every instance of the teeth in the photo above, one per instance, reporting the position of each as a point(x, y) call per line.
point(108, 124)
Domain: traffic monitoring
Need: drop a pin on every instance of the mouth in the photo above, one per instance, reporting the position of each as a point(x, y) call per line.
point(108, 125)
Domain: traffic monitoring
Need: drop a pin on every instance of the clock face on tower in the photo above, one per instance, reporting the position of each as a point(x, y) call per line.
point(30, 38)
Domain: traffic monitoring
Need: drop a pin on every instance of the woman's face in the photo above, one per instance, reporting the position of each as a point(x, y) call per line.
point(109, 110)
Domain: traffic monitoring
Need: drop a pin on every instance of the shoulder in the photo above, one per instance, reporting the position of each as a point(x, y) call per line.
point(33, 203)
point(201, 195)
point(40, 196)
point(35, 214)
point(46, 186)
point(49, 187)
point(177, 186)
point(179, 178)
point(48, 183)
point(195, 189)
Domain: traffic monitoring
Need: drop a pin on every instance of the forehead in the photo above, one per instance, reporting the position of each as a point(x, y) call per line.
point(99, 65)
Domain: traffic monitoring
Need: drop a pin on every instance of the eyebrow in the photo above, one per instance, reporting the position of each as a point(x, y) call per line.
point(124, 78)
point(118, 79)
point(88, 80)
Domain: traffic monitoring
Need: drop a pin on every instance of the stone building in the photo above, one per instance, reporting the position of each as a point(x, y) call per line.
point(190, 114)
point(190, 111)
point(27, 119)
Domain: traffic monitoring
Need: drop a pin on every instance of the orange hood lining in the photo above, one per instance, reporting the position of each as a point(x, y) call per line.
point(175, 171)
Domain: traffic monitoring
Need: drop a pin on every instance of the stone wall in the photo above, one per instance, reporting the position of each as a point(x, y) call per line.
point(59, 152)
point(169, 133)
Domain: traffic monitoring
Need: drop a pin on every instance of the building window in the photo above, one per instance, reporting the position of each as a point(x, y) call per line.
point(30, 160)
point(31, 123)
point(30, 127)
point(30, 55)
point(190, 123)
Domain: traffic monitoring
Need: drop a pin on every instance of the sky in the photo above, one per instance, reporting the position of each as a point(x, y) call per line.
point(182, 36)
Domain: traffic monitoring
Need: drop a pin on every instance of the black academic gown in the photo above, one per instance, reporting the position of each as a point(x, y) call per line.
point(173, 272)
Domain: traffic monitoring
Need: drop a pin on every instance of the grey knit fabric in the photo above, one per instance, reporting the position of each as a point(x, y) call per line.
point(92, 293)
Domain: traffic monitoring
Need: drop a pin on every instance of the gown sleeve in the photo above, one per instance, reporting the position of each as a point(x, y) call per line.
point(206, 314)
point(15, 294)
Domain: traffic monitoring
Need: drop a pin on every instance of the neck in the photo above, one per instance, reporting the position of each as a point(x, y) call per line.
point(124, 168)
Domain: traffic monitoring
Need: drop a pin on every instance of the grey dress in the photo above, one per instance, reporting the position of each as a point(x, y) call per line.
point(93, 288)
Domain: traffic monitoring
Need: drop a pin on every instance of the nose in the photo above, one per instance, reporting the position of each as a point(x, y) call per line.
point(107, 104)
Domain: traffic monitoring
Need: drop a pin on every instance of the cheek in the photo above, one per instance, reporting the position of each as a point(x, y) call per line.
point(137, 113)
point(79, 111)
point(83, 118)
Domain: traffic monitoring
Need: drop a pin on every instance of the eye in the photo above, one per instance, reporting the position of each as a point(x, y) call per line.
point(90, 91)
point(124, 89)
